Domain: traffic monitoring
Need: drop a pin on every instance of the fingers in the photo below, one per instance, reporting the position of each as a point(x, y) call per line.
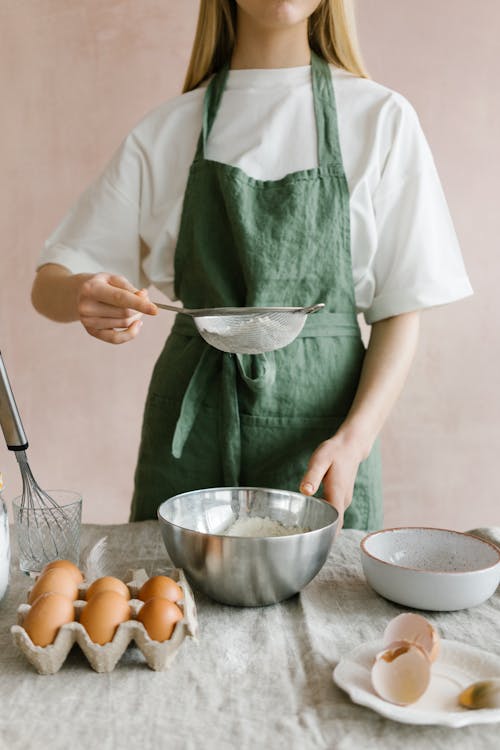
point(89, 308)
point(112, 336)
point(114, 291)
point(121, 283)
point(336, 468)
point(122, 298)
point(335, 494)
point(320, 462)
point(102, 322)
point(110, 308)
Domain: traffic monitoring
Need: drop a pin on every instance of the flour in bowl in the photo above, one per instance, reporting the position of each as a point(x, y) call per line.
point(255, 527)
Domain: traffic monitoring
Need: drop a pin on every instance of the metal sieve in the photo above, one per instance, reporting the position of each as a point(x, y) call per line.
point(248, 330)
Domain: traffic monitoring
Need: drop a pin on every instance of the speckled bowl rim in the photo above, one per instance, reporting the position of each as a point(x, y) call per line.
point(365, 539)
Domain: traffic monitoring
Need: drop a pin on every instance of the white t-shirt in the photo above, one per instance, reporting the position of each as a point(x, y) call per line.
point(405, 254)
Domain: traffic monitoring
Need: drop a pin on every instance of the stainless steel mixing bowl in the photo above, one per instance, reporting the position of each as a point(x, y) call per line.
point(246, 571)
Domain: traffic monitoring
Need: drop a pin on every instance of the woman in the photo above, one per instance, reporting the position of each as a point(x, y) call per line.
point(282, 176)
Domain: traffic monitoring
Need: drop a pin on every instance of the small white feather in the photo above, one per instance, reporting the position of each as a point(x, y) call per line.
point(93, 565)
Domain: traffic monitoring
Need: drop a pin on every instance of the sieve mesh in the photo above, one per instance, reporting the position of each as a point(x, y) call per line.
point(254, 333)
point(247, 330)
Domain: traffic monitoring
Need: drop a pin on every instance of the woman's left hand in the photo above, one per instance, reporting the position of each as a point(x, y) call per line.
point(335, 463)
point(387, 361)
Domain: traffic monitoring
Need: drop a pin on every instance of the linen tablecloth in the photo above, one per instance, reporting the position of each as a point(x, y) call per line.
point(258, 678)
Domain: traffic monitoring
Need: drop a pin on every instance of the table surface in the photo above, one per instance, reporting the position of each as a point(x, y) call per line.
point(257, 678)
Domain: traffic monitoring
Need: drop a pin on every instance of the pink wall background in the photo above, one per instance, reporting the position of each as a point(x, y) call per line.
point(76, 77)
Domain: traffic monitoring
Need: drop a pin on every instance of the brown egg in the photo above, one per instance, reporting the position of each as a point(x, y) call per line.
point(102, 614)
point(65, 565)
point(107, 583)
point(48, 612)
point(57, 580)
point(401, 673)
point(160, 586)
point(159, 617)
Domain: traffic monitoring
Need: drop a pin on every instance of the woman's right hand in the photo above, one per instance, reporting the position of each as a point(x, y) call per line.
point(110, 308)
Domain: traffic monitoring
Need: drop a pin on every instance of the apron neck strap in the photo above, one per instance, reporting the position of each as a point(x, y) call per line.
point(324, 109)
point(211, 102)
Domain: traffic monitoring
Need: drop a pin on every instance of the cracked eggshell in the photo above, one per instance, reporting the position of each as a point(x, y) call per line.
point(415, 629)
point(401, 673)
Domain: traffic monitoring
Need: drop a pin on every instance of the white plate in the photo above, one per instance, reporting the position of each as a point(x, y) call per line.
point(457, 666)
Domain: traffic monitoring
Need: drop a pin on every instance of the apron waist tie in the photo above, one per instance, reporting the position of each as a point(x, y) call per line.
point(212, 361)
point(322, 323)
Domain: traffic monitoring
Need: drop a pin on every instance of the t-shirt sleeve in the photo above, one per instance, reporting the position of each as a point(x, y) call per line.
point(417, 263)
point(101, 231)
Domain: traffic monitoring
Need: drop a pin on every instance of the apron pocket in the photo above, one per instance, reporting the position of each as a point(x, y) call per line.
point(276, 450)
point(275, 453)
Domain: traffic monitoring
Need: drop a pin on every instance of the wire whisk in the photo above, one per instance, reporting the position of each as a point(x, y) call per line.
point(45, 522)
point(45, 529)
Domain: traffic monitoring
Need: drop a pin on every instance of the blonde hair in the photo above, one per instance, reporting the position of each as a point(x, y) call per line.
point(332, 35)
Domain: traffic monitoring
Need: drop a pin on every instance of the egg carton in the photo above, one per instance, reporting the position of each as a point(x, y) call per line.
point(158, 656)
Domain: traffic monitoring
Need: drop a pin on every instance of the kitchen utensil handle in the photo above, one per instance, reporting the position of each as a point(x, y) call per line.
point(170, 307)
point(202, 311)
point(12, 427)
point(313, 308)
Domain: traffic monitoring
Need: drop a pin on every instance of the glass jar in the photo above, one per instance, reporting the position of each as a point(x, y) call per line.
point(4, 545)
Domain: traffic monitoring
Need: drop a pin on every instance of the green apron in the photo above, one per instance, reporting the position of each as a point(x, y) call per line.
point(215, 419)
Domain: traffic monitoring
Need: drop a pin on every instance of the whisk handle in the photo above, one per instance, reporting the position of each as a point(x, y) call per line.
point(12, 427)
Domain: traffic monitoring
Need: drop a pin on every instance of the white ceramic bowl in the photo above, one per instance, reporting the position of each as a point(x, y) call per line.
point(435, 569)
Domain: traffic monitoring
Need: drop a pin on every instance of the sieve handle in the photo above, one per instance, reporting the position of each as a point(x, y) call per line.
point(211, 311)
point(12, 427)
